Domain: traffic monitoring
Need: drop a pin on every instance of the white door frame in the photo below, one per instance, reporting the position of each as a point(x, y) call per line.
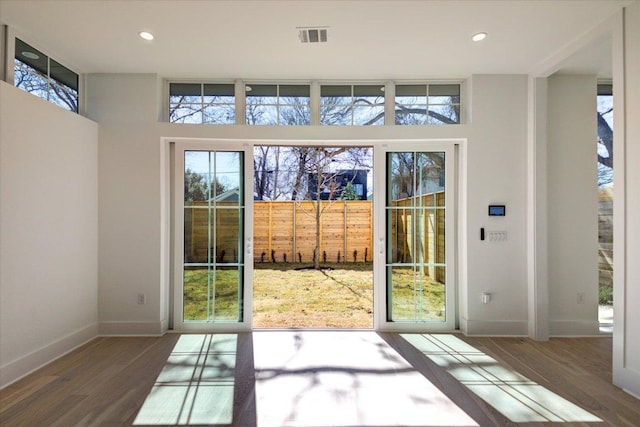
point(246, 246)
point(380, 148)
point(381, 322)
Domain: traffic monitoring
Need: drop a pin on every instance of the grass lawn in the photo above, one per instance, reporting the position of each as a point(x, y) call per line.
point(288, 295)
point(339, 297)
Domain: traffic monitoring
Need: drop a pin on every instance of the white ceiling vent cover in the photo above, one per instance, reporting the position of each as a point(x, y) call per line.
point(313, 35)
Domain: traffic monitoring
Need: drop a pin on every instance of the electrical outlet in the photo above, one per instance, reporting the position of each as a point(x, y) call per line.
point(581, 297)
point(142, 299)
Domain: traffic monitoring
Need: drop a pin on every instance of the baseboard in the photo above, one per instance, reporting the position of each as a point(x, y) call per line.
point(574, 328)
point(19, 368)
point(506, 328)
point(131, 328)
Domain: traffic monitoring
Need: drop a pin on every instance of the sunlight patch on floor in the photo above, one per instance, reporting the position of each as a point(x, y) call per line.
point(515, 396)
point(338, 378)
point(196, 385)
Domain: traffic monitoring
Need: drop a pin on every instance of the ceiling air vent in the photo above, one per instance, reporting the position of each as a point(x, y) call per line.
point(312, 35)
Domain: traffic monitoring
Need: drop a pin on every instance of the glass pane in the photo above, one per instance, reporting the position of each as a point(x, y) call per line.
point(416, 232)
point(262, 94)
point(219, 114)
point(213, 224)
point(430, 173)
point(373, 91)
point(400, 232)
point(30, 80)
point(196, 234)
point(335, 91)
point(411, 91)
point(196, 293)
point(411, 118)
point(416, 296)
point(197, 161)
point(444, 114)
point(295, 115)
point(228, 224)
point(228, 287)
point(185, 99)
point(425, 232)
point(335, 115)
point(63, 96)
point(368, 115)
point(185, 113)
point(400, 176)
point(262, 114)
point(186, 89)
point(219, 90)
point(444, 90)
point(32, 57)
point(226, 186)
point(299, 92)
point(63, 75)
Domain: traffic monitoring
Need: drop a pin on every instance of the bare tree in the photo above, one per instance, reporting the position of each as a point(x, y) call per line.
point(43, 86)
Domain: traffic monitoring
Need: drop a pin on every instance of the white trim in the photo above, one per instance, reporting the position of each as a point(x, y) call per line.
point(625, 67)
point(23, 366)
point(574, 328)
point(495, 328)
point(131, 328)
point(537, 282)
point(182, 145)
point(380, 246)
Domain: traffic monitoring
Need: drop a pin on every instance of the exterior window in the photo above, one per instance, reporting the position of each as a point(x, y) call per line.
point(278, 104)
point(202, 103)
point(44, 77)
point(434, 104)
point(352, 105)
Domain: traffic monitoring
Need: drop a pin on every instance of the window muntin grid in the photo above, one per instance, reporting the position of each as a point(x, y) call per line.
point(337, 104)
point(427, 104)
point(275, 104)
point(202, 103)
point(344, 105)
point(44, 77)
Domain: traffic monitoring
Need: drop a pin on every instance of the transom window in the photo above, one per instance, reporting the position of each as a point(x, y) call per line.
point(352, 105)
point(315, 104)
point(202, 103)
point(274, 104)
point(44, 77)
point(427, 104)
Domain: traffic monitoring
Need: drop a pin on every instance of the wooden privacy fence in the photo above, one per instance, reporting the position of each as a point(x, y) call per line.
point(286, 231)
point(418, 232)
point(605, 236)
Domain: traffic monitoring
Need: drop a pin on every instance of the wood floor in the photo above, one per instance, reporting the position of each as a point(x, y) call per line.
point(333, 378)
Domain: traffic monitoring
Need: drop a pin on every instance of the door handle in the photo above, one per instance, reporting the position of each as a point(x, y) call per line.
point(249, 246)
point(381, 251)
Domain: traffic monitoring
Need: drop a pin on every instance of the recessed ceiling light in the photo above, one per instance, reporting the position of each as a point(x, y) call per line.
point(30, 55)
point(479, 36)
point(146, 35)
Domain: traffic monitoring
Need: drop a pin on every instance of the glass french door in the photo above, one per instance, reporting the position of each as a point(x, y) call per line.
point(213, 229)
point(416, 237)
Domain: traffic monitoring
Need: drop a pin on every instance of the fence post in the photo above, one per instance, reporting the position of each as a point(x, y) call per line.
point(345, 231)
point(294, 230)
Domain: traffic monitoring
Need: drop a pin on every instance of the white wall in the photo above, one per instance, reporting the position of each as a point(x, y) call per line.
point(131, 197)
point(496, 174)
point(48, 232)
point(626, 292)
point(572, 203)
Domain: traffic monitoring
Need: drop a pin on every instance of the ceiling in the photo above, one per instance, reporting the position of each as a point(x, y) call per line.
point(381, 40)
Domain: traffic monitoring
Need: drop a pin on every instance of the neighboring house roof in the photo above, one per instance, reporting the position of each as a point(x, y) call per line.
point(232, 195)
